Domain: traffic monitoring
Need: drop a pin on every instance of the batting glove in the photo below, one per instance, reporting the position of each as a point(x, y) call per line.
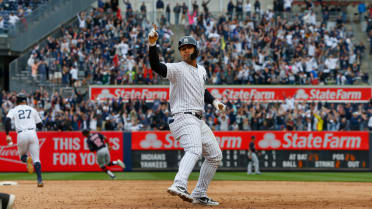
point(9, 140)
point(153, 36)
point(219, 105)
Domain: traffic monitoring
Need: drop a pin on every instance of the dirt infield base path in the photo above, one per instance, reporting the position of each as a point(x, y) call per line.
point(152, 194)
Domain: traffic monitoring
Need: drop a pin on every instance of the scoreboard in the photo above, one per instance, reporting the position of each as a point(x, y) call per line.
point(269, 160)
point(277, 150)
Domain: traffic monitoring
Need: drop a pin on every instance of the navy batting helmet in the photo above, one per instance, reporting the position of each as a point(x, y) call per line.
point(189, 40)
point(21, 97)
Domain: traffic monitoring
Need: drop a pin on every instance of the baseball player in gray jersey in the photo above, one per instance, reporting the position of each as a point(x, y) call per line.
point(26, 119)
point(188, 95)
point(99, 143)
point(252, 158)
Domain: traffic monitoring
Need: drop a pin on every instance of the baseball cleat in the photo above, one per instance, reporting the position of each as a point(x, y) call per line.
point(121, 164)
point(181, 192)
point(30, 166)
point(204, 201)
point(40, 184)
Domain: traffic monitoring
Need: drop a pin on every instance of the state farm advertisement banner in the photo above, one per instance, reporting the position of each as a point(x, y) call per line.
point(61, 151)
point(273, 140)
point(244, 93)
point(129, 92)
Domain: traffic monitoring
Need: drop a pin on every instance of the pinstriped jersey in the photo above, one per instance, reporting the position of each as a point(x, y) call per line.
point(24, 117)
point(187, 87)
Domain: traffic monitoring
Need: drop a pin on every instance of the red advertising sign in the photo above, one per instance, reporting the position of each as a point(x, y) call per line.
point(265, 140)
point(244, 93)
point(129, 92)
point(61, 151)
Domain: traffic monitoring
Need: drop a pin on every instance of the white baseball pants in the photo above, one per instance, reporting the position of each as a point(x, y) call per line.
point(197, 140)
point(27, 141)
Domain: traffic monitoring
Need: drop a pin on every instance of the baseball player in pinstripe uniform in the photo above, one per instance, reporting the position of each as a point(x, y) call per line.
point(26, 119)
point(188, 95)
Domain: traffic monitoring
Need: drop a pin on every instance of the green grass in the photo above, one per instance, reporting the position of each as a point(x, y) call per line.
point(220, 176)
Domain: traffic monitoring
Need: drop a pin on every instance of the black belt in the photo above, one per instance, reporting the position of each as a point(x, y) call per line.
point(196, 114)
point(25, 130)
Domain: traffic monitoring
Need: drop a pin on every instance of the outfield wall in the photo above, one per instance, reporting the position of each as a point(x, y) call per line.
point(159, 151)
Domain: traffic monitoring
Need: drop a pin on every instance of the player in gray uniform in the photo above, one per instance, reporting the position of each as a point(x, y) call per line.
point(98, 143)
point(188, 95)
point(26, 120)
point(252, 158)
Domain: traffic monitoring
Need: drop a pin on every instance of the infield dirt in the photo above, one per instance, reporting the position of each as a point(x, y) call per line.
point(152, 194)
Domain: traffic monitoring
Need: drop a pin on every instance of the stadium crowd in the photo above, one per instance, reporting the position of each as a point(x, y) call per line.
point(75, 113)
point(104, 48)
point(245, 46)
point(12, 11)
point(267, 47)
point(250, 47)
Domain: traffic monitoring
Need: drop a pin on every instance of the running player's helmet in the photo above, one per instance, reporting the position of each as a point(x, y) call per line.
point(85, 132)
point(189, 40)
point(21, 97)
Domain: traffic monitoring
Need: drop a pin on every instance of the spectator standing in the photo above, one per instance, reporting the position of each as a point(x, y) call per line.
point(257, 7)
point(159, 9)
point(195, 7)
point(143, 10)
point(177, 11)
point(288, 5)
point(168, 13)
point(205, 7)
point(239, 10)
point(184, 12)
point(361, 10)
point(230, 9)
point(13, 19)
point(248, 8)
point(42, 70)
point(74, 75)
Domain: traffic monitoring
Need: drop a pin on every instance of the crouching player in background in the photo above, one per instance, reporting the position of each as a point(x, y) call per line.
point(99, 144)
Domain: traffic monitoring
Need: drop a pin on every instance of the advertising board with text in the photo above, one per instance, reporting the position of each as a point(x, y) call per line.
point(244, 93)
point(278, 150)
point(265, 140)
point(61, 151)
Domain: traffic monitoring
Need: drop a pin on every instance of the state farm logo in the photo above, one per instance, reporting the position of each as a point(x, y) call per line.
point(335, 94)
point(105, 94)
point(151, 141)
point(269, 141)
point(330, 140)
point(10, 153)
point(149, 94)
point(301, 94)
point(243, 94)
